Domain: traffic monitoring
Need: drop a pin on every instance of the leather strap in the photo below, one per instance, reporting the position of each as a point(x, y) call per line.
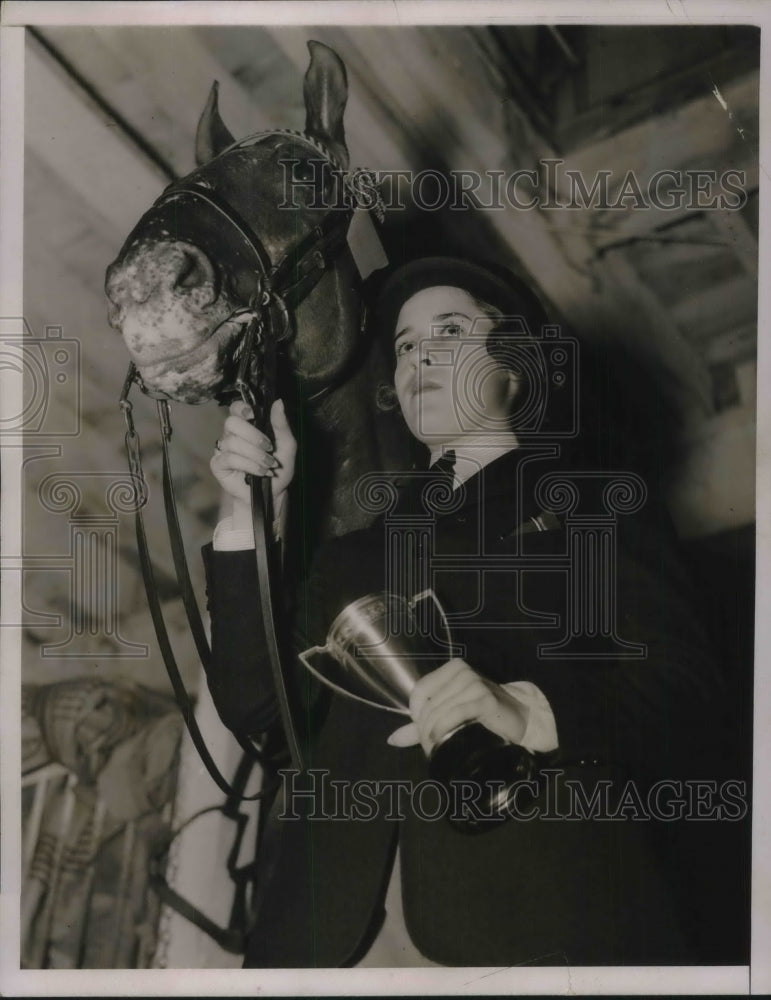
point(302, 266)
point(232, 938)
point(264, 552)
point(224, 208)
point(177, 546)
point(262, 522)
point(183, 574)
point(156, 613)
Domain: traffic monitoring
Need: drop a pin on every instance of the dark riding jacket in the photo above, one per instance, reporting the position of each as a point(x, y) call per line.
point(631, 699)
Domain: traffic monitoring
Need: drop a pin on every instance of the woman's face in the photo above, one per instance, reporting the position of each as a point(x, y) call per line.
point(447, 384)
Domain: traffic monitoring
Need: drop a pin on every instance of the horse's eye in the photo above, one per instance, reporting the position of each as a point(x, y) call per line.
point(304, 171)
point(308, 178)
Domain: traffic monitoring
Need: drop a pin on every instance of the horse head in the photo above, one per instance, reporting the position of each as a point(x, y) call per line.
point(259, 224)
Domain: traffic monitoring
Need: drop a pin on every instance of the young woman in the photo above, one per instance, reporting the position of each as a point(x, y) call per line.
point(381, 877)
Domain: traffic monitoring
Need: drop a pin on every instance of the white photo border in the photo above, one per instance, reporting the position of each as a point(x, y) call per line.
point(15, 982)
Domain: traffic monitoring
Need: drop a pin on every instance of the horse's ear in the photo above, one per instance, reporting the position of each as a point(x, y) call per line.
point(325, 90)
point(212, 135)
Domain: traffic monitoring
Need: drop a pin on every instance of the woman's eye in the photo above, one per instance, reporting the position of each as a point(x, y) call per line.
point(451, 330)
point(406, 347)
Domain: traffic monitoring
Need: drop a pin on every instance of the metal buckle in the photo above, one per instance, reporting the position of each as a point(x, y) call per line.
point(131, 438)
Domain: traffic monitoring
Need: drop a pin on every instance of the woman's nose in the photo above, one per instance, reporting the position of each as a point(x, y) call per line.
point(418, 357)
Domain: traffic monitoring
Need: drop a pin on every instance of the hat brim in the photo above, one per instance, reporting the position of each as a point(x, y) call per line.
point(487, 282)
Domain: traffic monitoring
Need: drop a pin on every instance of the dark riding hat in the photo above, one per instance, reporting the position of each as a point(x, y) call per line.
point(488, 282)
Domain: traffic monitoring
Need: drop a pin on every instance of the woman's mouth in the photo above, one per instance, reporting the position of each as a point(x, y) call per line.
point(425, 385)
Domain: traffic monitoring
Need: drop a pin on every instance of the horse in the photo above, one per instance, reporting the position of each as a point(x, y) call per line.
point(241, 280)
point(241, 236)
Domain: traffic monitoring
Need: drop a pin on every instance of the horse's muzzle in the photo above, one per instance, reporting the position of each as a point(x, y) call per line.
point(158, 269)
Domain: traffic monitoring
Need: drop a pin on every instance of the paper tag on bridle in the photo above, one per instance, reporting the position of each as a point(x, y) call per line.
point(364, 243)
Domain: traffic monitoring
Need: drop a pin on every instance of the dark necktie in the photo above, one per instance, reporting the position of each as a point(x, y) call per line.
point(411, 487)
point(445, 466)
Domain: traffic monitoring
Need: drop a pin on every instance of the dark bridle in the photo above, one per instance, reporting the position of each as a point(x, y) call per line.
point(278, 288)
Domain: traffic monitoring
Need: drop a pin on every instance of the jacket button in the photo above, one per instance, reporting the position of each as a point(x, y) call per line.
point(461, 520)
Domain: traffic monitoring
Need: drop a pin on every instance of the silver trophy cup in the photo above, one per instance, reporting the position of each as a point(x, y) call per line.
point(377, 649)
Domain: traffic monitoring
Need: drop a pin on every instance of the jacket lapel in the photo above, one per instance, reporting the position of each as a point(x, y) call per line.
point(503, 495)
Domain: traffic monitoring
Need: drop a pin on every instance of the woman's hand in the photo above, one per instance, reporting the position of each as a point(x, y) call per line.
point(243, 449)
point(452, 695)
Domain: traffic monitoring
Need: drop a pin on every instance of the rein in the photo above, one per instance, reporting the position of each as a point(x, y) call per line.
point(279, 287)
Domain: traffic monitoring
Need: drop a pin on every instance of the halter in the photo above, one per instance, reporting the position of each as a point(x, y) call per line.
point(279, 287)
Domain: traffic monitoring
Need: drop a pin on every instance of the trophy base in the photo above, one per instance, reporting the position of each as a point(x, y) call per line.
point(498, 777)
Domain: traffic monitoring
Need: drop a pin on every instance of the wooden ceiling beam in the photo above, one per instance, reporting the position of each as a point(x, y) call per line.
point(656, 332)
point(81, 148)
point(714, 310)
point(420, 82)
point(700, 132)
point(733, 229)
point(158, 78)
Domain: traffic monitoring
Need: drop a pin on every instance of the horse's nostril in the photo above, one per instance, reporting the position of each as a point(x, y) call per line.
point(123, 289)
point(118, 292)
point(194, 277)
point(194, 270)
point(190, 274)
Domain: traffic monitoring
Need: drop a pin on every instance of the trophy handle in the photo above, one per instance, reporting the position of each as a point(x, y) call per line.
point(429, 595)
point(314, 650)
